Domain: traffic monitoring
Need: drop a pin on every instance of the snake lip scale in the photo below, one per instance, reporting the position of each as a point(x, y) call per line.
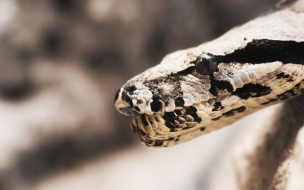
point(204, 88)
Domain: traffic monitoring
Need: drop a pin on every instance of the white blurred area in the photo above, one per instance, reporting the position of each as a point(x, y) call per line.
point(191, 165)
point(8, 9)
point(211, 161)
point(61, 62)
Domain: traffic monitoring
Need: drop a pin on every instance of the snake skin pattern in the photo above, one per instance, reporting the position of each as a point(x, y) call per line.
point(201, 89)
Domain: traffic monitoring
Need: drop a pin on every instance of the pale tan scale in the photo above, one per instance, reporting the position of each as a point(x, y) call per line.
point(142, 105)
point(148, 109)
point(271, 75)
point(244, 77)
point(197, 98)
point(298, 72)
point(198, 88)
point(267, 69)
point(160, 120)
point(171, 105)
point(252, 75)
point(148, 129)
point(160, 133)
point(259, 72)
point(237, 82)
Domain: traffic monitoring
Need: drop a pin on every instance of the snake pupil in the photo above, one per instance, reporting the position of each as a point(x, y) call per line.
point(206, 64)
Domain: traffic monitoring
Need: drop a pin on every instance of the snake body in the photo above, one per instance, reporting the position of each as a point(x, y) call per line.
point(204, 88)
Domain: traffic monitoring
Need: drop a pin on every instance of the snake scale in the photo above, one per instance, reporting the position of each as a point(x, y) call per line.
point(204, 88)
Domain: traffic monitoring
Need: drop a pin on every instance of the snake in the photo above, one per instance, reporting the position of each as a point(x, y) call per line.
point(198, 90)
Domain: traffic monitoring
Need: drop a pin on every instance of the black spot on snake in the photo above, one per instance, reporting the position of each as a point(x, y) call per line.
point(192, 112)
point(282, 75)
point(158, 143)
point(127, 99)
point(188, 127)
point(240, 109)
point(298, 85)
point(219, 85)
point(288, 94)
point(234, 111)
point(156, 105)
point(179, 102)
point(123, 95)
point(264, 50)
point(170, 125)
point(269, 101)
point(143, 119)
point(169, 116)
point(217, 106)
point(131, 88)
point(251, 90)
point(216, 119)
point(178, 112)
point(202, 128)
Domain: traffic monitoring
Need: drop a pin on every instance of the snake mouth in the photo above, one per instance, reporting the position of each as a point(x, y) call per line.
point(128, 111)
point(123, 103)
point(150, 129)
point(168, 128)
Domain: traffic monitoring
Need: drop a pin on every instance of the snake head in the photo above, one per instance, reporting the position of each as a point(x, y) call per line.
point(164, 89)
point(164, 100)
point(201, 89)
point(149, 97)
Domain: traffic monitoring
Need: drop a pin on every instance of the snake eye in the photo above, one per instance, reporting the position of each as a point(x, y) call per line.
point(206, 64)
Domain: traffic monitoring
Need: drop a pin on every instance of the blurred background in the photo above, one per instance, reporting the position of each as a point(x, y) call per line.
point(61, 62)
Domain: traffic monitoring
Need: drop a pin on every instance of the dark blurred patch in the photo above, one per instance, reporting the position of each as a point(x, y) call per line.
point(156, 45)
point(52, 41)
point(66, 6)
point(226, 14)
point(17, 92)
point(4, 180)
point(102, 58)
point(15, 81)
